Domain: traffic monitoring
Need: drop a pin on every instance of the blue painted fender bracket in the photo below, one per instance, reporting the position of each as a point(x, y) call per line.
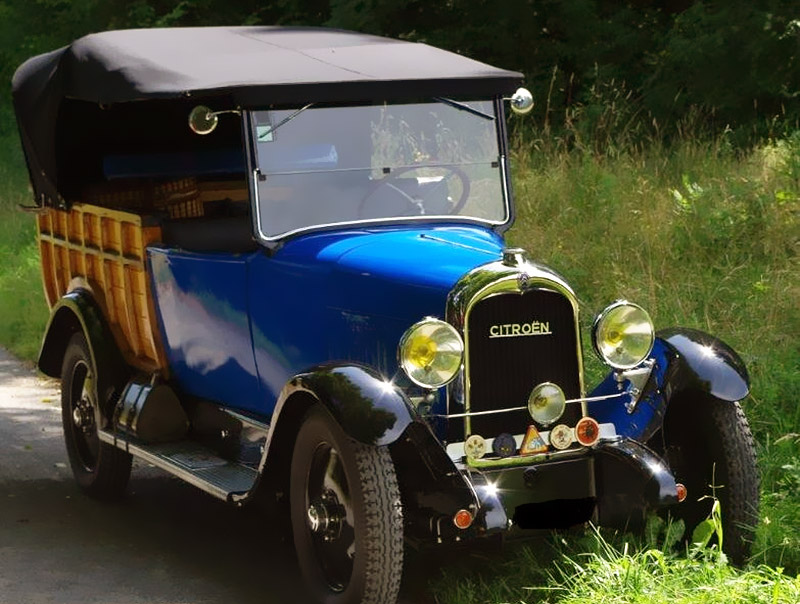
point(687, 361)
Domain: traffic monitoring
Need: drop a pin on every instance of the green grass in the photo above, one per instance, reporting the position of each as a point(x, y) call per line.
point(22, 303)
point(597, 568)
point(701, 236)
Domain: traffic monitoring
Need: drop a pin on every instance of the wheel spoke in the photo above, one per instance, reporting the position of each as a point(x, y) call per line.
point(331, 516)
point(83, 412)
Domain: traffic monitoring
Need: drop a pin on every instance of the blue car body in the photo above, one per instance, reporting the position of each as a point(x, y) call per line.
point(345, 296)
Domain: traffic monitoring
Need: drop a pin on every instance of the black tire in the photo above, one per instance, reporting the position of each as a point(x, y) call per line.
point(359, 559)
point(101, 470)
point(710, 443)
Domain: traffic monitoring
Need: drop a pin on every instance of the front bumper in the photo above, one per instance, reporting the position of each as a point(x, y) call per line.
point(615, 484)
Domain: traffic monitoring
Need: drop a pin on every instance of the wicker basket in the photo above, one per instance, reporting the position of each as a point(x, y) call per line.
point(176, 198)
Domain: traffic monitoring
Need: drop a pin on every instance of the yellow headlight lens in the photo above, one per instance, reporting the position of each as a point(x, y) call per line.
point(431, 352)
point(623, 335)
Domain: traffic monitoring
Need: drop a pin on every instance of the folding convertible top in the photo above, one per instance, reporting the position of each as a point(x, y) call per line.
point(249, 66)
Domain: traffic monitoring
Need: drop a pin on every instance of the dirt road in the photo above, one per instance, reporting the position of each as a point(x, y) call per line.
point(165, 543)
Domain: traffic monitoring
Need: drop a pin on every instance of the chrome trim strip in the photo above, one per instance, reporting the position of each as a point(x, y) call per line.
point(503, 173)
point(257, 203)
point(505, 177)
point(456, 244)
point(590, 399)
point(522, 460)
point(253, 423)
point(377, 221)
point(392, 169)
point(498, 278)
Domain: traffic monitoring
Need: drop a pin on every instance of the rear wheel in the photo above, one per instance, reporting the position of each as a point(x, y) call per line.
point(100, 470)
point(711, 451)
point(346, 515)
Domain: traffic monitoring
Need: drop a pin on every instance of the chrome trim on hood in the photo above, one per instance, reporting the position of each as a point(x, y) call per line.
point(493, 278)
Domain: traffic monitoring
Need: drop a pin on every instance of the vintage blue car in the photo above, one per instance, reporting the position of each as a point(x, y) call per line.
point(275, 263)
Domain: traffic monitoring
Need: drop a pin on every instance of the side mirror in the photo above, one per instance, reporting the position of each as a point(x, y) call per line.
point(521, 101)
point(204, 121)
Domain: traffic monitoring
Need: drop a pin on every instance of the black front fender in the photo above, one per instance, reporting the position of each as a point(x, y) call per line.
point(704, 364)
point(369, 408)
point(689, 365)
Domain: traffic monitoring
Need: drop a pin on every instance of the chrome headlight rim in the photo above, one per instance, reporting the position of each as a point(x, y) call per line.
point(555, 396)
point(407, 367)
point(604, 315)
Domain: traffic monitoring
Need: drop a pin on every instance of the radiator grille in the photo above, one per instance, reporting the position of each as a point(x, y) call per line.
point(508, 356)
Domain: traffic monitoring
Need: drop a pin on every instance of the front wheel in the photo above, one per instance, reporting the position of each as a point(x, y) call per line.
point(346, 515)
point(711, 451)
point(100, 469)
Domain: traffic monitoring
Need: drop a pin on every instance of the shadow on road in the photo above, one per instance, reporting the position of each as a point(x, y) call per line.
point(164, 543)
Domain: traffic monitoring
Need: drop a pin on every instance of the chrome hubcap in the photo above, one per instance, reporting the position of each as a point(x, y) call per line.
point(325, 517)
point(330, 517)
point(82, 414)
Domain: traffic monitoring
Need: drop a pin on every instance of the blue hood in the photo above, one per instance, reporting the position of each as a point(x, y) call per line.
point(428, 258)
point(374, 284)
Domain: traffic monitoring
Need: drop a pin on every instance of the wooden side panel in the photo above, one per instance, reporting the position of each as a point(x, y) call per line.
point(105, 250)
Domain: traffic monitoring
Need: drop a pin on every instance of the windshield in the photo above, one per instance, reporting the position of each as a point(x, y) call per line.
point(322, 166)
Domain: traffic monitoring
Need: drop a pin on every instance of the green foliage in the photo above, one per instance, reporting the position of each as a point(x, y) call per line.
point(653, 576)
point(594, 66)
point(702, 236)
point(22, 304)
point(600, 567)
point(709, 528)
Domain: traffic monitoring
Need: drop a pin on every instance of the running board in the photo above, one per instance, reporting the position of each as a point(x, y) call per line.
point(191, 462)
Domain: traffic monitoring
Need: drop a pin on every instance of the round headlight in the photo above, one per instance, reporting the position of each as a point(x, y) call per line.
point(546, 403)
point(431, 352)
point(623, 335)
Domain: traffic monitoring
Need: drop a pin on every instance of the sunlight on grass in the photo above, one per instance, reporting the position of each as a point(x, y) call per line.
point(601, 567)
point(22, 304)
point(631, 576)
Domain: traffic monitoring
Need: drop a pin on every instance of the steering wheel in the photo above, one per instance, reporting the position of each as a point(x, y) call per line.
point(418, 203)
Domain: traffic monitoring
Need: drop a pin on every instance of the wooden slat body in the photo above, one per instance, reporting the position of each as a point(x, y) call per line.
point(104, 250)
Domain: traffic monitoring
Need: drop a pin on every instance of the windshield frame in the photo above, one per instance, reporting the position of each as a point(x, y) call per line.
point(271, 241)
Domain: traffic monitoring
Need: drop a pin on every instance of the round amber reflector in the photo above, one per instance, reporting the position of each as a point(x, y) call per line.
point(587, 431)
point(463, 519)
point(682, 492)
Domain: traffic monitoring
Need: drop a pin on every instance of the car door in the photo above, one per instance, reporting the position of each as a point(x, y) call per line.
point(202, 307)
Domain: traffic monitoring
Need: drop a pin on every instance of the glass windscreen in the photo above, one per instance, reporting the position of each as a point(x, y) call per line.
point(338, 165)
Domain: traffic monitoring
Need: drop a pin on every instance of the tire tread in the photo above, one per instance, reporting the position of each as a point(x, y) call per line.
point(110, 478)
point(384, 522)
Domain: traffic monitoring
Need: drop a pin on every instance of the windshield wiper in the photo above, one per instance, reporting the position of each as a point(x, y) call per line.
point(285, 120)
point(464, 107)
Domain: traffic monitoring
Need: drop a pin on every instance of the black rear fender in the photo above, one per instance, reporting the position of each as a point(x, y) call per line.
point(75, 312)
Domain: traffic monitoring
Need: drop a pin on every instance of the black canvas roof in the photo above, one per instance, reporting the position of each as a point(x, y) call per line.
point(248, 66)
